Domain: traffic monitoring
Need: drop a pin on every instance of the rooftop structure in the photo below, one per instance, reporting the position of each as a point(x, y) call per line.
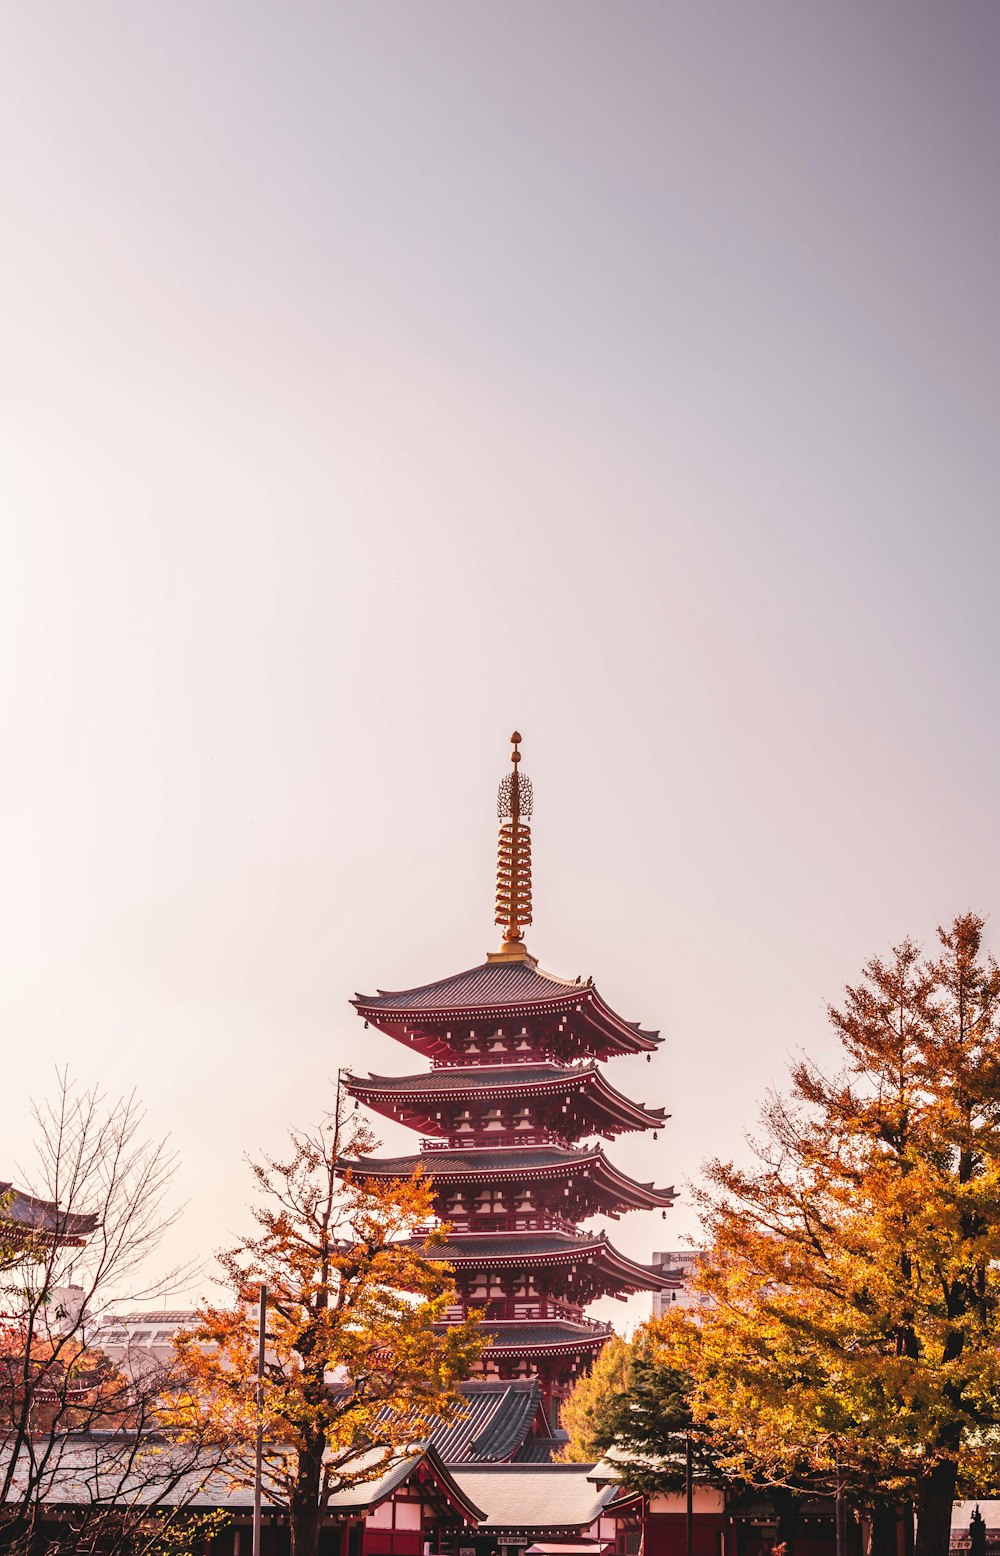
point(508, 1112)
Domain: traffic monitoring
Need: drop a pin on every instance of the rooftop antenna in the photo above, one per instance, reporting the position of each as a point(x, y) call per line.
point(513, 902)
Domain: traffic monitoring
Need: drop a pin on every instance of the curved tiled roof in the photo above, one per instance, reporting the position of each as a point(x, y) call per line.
point(535, 1497)
point(513, 988)
point(489, 984)
point(493, 1249)
point(515, 1080)
point(519, 1337)
point(503, 1162)
point(506, 1430)
point(29, 1216)
point(497, 1418)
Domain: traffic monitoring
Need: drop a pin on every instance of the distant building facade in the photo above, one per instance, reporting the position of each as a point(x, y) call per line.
point(678, 1267)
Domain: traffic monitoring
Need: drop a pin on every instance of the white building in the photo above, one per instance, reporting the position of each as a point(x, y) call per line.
point(139, 1342)
point(680, 1264)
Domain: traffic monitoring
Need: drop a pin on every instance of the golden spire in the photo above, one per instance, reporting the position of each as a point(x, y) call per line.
point(514, 804)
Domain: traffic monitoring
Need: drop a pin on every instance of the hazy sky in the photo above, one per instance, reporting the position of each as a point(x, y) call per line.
point(377, 377)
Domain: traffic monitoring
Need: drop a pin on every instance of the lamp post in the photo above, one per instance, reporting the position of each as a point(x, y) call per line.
point(840, 1511)
point(259, 1455)
point(689, 1496)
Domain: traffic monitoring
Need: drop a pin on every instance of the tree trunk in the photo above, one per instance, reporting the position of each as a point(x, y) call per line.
point(935, 1499)
point(304, 1526)
point(905, 1547)
point(885, 1530)
point(786, 1508)
point(304, 1519)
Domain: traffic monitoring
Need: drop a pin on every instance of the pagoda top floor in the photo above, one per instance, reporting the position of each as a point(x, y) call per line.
point(504, 1010)
point(535, 1104)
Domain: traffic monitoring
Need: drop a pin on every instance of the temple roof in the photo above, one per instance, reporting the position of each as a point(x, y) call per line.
point(25, 1216)
point(495, 1250)
point(524, 1163)
point(489, 986)
point(469, 1082)
point(497, 1421)
point(503, 988)
point(427, 1461)
point(119, 1462)
point(535, 1497)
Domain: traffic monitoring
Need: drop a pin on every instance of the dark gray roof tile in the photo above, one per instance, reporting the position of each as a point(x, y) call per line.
point(510, 1160)
point(509, 987)
point(535, 1496)
point(519, 1337)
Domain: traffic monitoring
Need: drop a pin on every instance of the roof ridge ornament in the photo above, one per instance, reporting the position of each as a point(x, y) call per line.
point(515, 801)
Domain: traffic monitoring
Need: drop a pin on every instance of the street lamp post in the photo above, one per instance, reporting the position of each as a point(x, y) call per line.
point(259, 1456)
point(689, 1495)
point(840, 1507)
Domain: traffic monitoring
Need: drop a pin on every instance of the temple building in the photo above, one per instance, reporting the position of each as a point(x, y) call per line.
point(27, 1221)
point(511, 1115)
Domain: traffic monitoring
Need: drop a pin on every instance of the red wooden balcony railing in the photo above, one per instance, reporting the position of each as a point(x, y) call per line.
point(525, 1310)
point(513, 1221)
point(497, 1137)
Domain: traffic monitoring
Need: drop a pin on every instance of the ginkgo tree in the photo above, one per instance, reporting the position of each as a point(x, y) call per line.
point(854, 1333)
point(359, 1365)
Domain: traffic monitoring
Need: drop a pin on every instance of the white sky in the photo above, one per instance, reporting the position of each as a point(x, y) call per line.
point(378, 377)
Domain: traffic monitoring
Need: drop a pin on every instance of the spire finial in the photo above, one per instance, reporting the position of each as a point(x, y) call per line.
point(513, 907)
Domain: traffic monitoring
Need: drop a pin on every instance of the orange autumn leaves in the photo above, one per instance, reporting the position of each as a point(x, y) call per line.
point(356, 1359)
point(854, 1267)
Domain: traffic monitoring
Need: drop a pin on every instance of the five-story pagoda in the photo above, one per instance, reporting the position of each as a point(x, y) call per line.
point(515, 1088)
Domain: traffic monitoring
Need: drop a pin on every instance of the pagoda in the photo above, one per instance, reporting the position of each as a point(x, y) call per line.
point(511, 1115)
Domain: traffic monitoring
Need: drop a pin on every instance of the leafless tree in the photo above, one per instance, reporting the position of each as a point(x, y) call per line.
point(74, 1427)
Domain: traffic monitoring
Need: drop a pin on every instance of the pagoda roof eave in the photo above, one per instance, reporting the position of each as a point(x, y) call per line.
point(546, 1249)
point(24, 1215)
point(494, 1164)
point(491, 989)
point(459, 1083)
point(519, 1337)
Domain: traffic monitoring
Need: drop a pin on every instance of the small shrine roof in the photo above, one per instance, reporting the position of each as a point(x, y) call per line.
point(369, 1493)
point(117, 1460)
point(535, 1497)
point(538, 1161)
point(511, 988)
